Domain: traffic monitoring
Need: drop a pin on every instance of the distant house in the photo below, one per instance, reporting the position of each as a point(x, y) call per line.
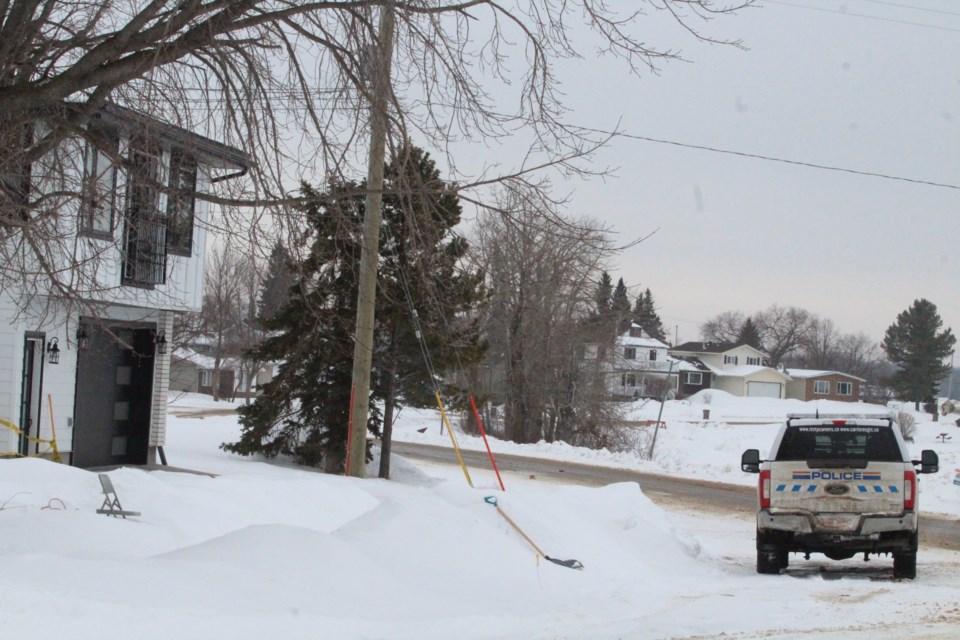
point(193, 371)
point(738, 369)
point(694, 376)
point(810, 384)
point(638, 367)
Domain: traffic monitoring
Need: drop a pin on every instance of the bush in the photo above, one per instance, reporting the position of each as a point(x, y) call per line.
point(907, 424)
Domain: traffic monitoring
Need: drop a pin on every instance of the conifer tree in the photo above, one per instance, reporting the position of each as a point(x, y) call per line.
point(645, 315)
point(304, 410)
point(749, 334)
point(275, 289)
point(915, 344)
point(603, 295)
point(620, 307)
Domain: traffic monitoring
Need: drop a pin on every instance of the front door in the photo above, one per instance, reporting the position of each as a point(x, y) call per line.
point(30, 385)
point(114, 396)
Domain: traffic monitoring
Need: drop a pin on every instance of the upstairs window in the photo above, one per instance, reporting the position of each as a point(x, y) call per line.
point(730, 359)
point(821, 387)
point(181, 203)
point(630, 353)
point(636, 332)
point(145, 257)
point(753, 360)
point(653, 355)
point(99, 189)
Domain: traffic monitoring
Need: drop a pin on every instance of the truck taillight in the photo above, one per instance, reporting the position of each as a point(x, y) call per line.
point(909, 490)
point(765, 489)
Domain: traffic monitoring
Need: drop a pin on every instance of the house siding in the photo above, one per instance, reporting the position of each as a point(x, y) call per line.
point(803, 388)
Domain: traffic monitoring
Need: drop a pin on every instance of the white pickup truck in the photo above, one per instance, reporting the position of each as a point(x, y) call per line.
point(838, 486)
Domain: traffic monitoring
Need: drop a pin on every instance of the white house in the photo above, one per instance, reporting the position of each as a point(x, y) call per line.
point(738, 369)
point(639, 366)
point(88, 373)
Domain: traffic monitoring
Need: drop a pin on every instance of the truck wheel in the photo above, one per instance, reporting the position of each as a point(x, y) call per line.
point(770, 562)
point(905, 565)
point(784, 558)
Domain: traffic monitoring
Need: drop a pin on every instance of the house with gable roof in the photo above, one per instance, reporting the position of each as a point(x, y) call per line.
point(638, 367)
point(738, 369)
point(811, 384)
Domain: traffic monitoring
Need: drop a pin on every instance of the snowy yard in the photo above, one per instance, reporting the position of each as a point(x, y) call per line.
point(269, 550)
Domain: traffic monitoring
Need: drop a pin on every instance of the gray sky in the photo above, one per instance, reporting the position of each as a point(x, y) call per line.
point(821, 83)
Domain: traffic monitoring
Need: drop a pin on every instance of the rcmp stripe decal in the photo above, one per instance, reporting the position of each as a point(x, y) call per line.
point(810, 488)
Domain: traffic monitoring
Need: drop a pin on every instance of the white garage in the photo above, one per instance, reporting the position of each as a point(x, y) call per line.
point(764, 389)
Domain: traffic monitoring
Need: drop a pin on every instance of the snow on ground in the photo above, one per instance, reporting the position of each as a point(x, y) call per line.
point(264, 549)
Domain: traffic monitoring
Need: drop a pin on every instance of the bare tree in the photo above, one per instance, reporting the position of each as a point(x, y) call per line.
point(725, 327)
point(286, 82)
point(229, 311)
point(783, 331)
point(542, 278)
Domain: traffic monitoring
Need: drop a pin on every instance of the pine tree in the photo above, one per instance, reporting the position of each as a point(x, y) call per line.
point(620, 307)
point(275, 289)
point(645, 315)
point(749, 334)
point(915, 344)
point(603, 295)
point(304, 411)
point(421, 271)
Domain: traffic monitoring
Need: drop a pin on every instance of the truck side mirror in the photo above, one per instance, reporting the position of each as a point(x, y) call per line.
point(750, 461)
point(929, 461)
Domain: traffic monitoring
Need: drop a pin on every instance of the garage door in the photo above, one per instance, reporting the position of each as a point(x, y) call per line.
point(763, 389)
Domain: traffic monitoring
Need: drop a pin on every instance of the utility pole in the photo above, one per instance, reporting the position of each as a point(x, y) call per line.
point(370, 249)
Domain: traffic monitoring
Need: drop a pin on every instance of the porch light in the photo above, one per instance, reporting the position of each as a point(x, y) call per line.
point(161, 341)
point(83, 340)
point(53, 352)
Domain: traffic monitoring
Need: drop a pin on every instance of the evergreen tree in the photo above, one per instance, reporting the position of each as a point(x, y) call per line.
point(603, 295)
point(645, 314)
point(915, 344)
point(421, 270)
point(304, 410)
point(620, 307)
point(749, 334)
point(275, 289)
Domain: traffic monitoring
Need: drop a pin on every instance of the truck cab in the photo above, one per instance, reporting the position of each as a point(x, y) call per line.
point(838, 486)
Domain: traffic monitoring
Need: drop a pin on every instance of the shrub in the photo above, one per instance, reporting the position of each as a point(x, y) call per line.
point(907, 424)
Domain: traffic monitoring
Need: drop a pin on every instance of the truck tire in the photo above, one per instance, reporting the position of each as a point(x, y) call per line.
point(905, 565)
point(770, 562)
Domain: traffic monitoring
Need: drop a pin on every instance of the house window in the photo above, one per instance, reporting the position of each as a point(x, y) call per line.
point(821, 386)
point(630, 353)
point(181, 203)
point(753, 360)
point(695, 378)
point(206, 378)
point(845, 388)
point(628, 380)
point(636, 332)
point(99, 188)
point(653, 355)
point(145, 242)
point(730, 359)
point(590, 352)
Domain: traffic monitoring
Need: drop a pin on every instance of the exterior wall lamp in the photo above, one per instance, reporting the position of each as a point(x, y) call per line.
point(53, 352)
point(161, 341)
point(83, 340)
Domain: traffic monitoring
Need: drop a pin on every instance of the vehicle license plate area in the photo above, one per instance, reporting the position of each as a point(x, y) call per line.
point(838, 521)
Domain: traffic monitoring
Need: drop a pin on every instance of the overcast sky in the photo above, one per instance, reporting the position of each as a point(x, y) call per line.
point(864, 85)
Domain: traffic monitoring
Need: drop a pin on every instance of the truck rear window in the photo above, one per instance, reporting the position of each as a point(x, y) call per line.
point(831, 442)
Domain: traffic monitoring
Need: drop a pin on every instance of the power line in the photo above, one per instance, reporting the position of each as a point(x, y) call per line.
point(862, 15)
point(758, 156)
point(913, 7)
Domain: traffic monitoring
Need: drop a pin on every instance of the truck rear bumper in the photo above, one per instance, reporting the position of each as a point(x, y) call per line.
point(853, 525)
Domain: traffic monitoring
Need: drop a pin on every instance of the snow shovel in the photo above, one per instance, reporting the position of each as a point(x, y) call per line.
point(570, 564)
